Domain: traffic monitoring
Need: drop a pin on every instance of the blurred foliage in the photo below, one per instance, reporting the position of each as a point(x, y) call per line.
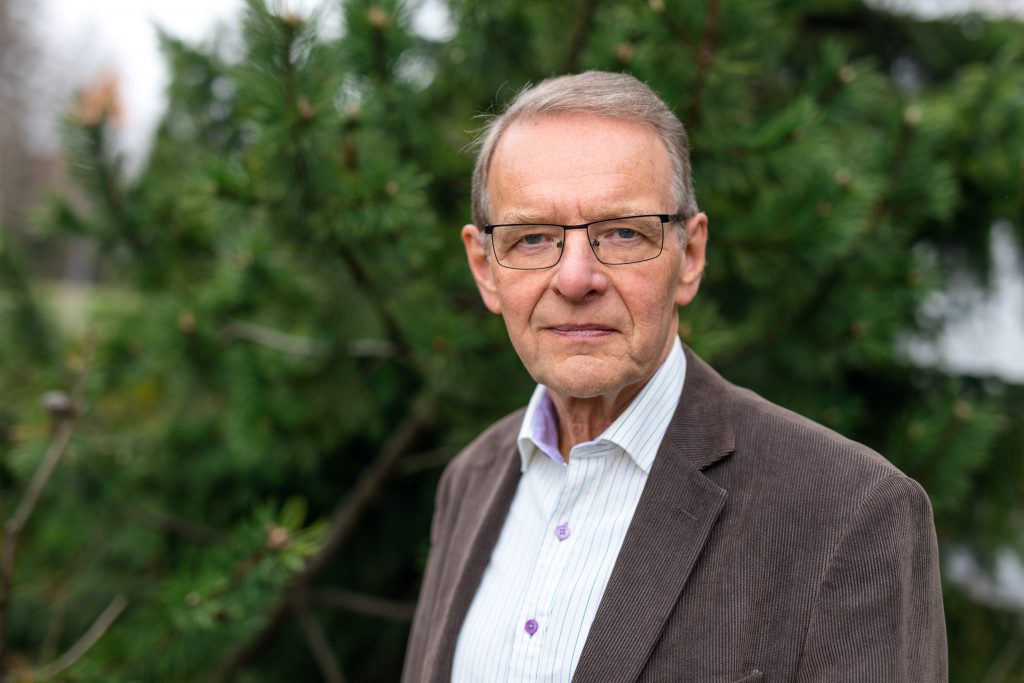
point(286, 313)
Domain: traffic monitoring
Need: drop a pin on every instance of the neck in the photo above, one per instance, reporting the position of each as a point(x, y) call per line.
point(583, 419)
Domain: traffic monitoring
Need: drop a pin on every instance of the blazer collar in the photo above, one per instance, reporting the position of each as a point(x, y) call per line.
point(673, 520)
point(702, 428)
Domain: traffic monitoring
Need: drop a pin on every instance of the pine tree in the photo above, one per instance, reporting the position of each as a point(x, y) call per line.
point(288, 346)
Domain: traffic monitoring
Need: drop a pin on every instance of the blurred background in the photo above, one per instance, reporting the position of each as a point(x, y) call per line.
point(238, 341)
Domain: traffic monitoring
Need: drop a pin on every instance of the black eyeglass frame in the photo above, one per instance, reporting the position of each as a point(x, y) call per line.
point(663, 217)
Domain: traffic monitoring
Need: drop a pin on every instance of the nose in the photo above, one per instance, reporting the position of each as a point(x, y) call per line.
point(578, 274)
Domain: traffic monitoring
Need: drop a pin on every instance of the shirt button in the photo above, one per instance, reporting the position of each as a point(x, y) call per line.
point(531, 626)
point(562, 531)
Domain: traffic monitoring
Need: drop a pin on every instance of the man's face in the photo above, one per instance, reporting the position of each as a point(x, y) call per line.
point(582, 328)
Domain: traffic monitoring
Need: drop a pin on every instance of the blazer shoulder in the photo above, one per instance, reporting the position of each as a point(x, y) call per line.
point(795, 473)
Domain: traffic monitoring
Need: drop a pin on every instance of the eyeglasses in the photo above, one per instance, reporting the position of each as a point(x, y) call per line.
point(614, 241)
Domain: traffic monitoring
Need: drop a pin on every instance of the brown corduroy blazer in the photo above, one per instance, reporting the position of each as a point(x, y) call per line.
point(764, 548)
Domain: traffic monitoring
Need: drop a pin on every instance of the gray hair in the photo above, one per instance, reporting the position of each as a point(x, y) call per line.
point(613, 95)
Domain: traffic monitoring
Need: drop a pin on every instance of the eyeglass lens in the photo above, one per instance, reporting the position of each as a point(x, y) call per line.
point(615, 241)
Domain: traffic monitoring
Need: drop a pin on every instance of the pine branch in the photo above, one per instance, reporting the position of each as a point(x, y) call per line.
point(705, 60)
point(54, 631)
point(674, 28)
point(300, 115)
point(67, 413)
point(99, 627)
point(370, 605)
point(33, 333)
point(372, 348)
point(49, 649)
point(828, 282)
point(299, 112)
point(840, 80)
point(275, 339)
point(375, 297)
point(178, 526)
point(106, 177)
point(317, 641)
point(344, 522)
point(378, 45)
point(304, 346)
point(584, 19)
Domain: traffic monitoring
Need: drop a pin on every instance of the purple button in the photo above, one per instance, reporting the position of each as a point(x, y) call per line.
point(531, 626)
point(562, 531)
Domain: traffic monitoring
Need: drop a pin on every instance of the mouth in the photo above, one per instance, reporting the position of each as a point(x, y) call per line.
point(584, 331)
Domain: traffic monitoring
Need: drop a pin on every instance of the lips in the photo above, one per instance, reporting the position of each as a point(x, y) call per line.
point(581, 331)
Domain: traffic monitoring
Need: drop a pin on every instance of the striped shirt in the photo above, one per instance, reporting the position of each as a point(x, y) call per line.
point(549, 569)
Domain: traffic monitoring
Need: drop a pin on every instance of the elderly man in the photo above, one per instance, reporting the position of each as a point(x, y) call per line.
point(643, 519)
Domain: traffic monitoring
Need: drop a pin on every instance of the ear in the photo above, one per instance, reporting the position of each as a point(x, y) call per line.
point(694, 259)
point(480, 266)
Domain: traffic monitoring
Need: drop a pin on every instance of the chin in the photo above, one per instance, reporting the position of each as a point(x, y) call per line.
point(576, 389)
point(582, 382)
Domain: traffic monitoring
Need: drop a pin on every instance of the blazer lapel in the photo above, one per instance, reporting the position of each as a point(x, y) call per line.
point(672, 522)
point(471, 551)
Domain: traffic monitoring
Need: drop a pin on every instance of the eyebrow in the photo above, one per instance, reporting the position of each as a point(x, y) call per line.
point(618, 210)
point(524, 217)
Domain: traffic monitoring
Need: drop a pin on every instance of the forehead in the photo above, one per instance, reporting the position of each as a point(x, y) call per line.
point(578, 166)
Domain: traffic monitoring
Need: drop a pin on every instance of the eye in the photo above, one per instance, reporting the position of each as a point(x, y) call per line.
point(625, 233)
point(533, 239)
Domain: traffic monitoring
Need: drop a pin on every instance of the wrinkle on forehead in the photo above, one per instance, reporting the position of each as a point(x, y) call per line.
point(580, 180)
point(589, 212)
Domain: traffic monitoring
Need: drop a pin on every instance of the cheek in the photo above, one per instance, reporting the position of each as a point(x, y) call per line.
point(518, 301)
point(653, 293)
point(652, 304)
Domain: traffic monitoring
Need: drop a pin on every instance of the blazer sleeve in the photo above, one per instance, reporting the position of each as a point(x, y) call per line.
point(878, 612)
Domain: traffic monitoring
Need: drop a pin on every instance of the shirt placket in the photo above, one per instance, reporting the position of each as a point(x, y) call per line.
point(535, 627)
